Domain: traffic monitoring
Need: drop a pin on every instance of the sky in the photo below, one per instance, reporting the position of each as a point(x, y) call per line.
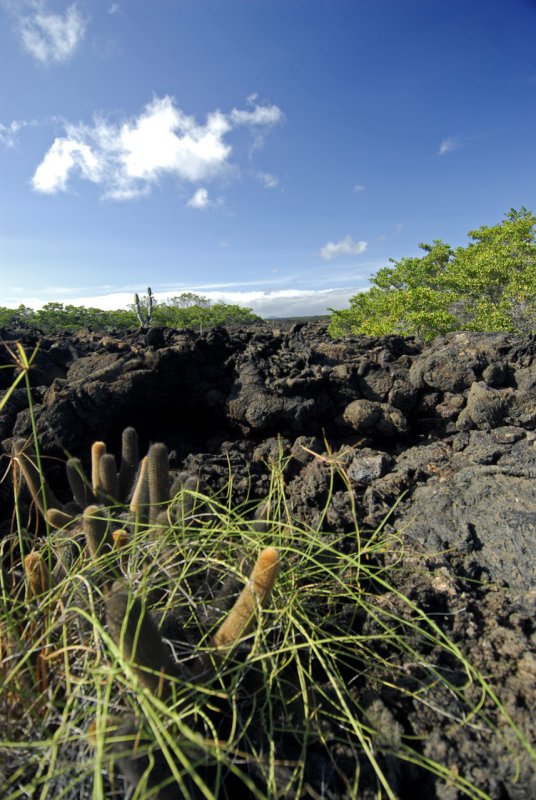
point(269, 153)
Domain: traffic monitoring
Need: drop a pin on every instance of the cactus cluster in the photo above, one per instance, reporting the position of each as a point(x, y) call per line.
point(106, 509)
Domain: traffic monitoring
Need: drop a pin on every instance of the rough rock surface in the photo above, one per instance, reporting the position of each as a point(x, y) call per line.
point(450, 426)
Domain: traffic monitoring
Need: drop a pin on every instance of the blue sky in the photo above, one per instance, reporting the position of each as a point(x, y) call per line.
point(272, 153)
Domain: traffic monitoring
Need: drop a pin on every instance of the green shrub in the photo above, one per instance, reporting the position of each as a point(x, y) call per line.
point(490, 285)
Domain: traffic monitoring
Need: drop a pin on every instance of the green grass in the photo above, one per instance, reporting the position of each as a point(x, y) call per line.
point(300, 688)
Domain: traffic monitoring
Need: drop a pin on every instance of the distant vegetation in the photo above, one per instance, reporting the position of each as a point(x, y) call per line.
point(490, 285)
point(187, 310)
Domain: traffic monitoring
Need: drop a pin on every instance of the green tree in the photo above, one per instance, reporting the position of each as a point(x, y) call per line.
point(490, 285)
point(190, 310)
point(15, 317)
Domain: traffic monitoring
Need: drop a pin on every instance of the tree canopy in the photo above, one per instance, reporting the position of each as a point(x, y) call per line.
point(187, 310)
point(489, 285)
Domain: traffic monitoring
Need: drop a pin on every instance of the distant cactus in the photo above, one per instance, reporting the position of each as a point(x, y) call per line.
point(144, 308)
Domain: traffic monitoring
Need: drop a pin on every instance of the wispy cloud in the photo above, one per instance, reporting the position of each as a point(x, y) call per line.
point(268, 180)
point(126, 159)
point(9, 133)
point(259, 118)
point(345, 247)
point(359, 188)
point(449, 144)
point(49, 37)
point(114, 8)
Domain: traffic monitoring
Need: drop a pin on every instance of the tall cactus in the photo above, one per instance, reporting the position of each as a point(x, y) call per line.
point(144, 308)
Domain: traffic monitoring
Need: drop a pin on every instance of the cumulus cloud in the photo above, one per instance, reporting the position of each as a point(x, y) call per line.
point(449, 144)
point(126, 159)
point(345, 247)
point(47, 36)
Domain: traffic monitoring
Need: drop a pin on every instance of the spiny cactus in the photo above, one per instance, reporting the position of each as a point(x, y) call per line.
point(107, 484)
point(158, 478)
point(255, 595)
point(94, 522)
point(140, 643)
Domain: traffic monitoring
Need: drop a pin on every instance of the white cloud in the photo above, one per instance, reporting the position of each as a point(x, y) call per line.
point(267, 303)
point(449, 144)
point(259, 115)
point(345, 247)
point(258, 118)
point(8, 133)
point(65, 154)
point(359, 187)
point(268, 180)
point(199, 199)
point(114, 8)
point(47, 36)
point(127, 159)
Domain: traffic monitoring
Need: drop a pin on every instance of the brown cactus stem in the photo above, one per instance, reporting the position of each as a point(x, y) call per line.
point(138, 639)
point(254, 596)
point(158, 473)
point(109, 481)
point(78, 483)
point(58, 518)
point(98, 449)
point(129, 462)
point(139, 505)
point(37, 574)
point(120, 538)
point(97, 531)
point(41, 492)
